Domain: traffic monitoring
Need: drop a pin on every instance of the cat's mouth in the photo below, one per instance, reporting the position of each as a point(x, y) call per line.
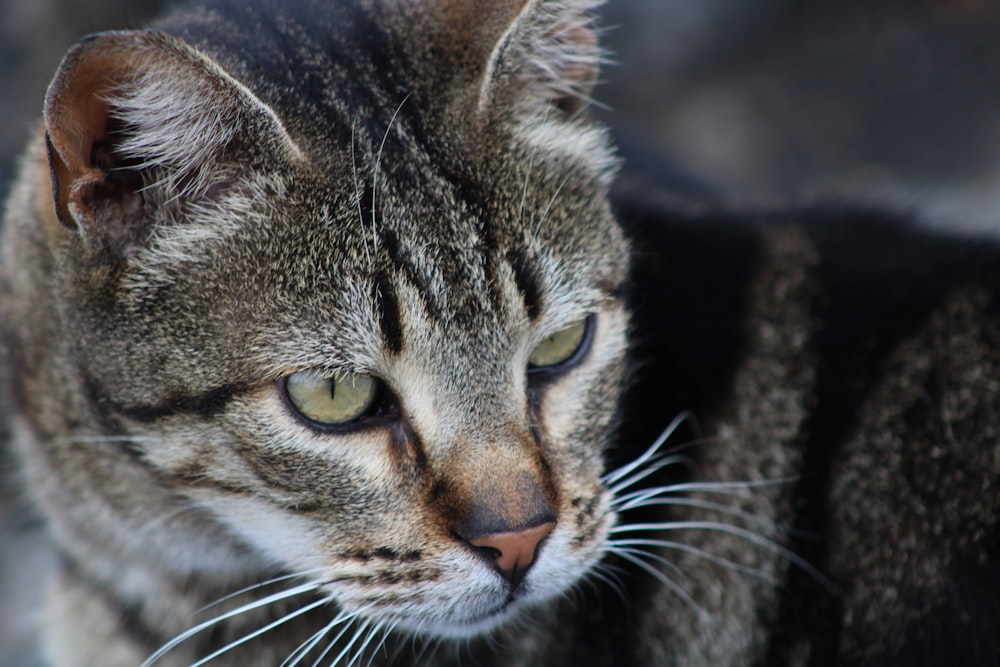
point(471, 617)
point(479, 623)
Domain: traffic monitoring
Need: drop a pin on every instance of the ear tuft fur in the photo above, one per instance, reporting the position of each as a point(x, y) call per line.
point(548, 58)
point(129, 113)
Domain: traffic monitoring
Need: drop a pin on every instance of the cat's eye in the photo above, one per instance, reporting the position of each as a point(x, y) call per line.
point(561, 347)
point(331, 400)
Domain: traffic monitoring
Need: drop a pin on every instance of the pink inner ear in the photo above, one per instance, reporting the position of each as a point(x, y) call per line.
point(76, 115)
point(76, 118)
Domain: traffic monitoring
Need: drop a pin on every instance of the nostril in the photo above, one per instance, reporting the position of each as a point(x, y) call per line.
point(513, 552)
point(491, 554)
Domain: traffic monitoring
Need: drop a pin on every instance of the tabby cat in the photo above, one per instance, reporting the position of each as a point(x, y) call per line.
point(339, 334)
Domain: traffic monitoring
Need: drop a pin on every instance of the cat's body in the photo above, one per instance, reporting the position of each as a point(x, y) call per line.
point(409, 192)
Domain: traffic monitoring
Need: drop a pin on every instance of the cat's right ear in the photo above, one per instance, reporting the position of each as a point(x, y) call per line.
point(135, 117)
point(544, 53)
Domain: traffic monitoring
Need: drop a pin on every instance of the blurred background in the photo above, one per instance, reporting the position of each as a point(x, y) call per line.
point(893, 101)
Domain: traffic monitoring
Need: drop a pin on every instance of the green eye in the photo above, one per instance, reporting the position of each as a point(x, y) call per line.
point(560, 347)
point(333, 399)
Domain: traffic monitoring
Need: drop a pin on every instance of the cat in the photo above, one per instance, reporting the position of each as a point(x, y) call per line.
point(339, 333)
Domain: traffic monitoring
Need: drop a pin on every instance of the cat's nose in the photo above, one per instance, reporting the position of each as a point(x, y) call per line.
point(513, 552)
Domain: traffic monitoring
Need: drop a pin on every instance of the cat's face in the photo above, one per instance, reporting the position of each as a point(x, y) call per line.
point(382, 401)
point(392, 378)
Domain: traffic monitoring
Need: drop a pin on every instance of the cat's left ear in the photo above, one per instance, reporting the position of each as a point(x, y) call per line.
point(136, 117)
point(543, 54)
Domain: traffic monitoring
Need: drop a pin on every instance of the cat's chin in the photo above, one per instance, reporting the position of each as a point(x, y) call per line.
point(488, 617)
point(467, 628)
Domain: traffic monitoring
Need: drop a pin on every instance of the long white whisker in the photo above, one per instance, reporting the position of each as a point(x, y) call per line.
point(386, 631)
point(545, 214)
point(256, 604)
point(378, 164)
point(346, 618)
point(527, 176)
point(357, 189)
point(360, 630)
point(303, 649)
point(615, 475)
point(307, 646)
point(365, 643)
point(619, 546)
point(748, 535)
point(710, 506)
point(700, 553)
point(426, 644)
point(721, 488)
point(605, 574)
point(333, 642)
point(653, 466)
point(254, 587)
point(663, 579)
point(256, 633)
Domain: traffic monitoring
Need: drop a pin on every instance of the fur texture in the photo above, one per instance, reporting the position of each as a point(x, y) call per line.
point(773, 443)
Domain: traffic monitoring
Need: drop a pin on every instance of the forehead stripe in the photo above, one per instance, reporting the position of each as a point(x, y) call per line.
point(527, 283)
point(407, 267)
point(388, 313)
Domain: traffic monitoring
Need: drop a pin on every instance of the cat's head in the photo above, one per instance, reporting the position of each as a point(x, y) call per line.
point(351, 289)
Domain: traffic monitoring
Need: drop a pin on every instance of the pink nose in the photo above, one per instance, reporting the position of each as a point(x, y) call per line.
point(514, 551)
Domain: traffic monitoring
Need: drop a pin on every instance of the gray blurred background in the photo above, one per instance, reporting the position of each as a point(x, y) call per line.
point(889, 100)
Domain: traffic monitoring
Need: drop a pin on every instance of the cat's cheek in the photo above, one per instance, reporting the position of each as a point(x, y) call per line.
point(573, 549)
point(284, 537)
point(576, 412)
point(453, 596)
point(599, 374)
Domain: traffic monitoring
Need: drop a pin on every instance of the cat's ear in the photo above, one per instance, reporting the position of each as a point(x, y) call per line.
point(133, 113)
point(542, 54)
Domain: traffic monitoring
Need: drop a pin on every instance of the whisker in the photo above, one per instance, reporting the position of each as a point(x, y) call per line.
point(357, 190)
point(748, 535)
point(303, 649)
point(527, 176)
point(333, 642)
point(615, 475)
point(605, 573)
point(386, 632)
point(254, 587)
point(653, 465)
point(378, 163)
point(426, 644)
point(307, 646)
point(711, 506)
point(365, 643)
point(700, 553)
point(545, 214)
point(346, 618)
point(257, 604)
point(256, 633)
point(635, 558)
point(162, 521)
point(616, 546)
point(358, 632)
point(721, 488)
